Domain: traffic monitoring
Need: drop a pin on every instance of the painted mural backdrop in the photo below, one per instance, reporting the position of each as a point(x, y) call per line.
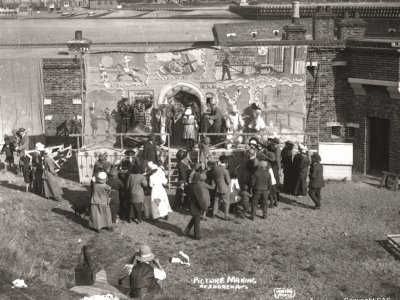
point(271, 78)
point(181, 65)
point(109, 77)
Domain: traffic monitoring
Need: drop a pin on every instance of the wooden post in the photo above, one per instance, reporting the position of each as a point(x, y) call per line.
point(122, 142)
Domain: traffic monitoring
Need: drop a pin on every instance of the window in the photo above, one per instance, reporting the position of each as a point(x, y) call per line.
point(350, 132)
point(254, 34)
point(336, 132)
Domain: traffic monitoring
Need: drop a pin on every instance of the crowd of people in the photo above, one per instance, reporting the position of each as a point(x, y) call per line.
point(136, 185)
point(37, 168)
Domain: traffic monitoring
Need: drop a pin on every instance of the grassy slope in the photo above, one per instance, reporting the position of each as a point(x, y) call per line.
point(328, 254)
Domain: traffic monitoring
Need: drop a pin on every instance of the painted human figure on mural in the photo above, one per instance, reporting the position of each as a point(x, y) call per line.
point(126, 60)
point(93, 120)
point(226, 68)
point(103, 75)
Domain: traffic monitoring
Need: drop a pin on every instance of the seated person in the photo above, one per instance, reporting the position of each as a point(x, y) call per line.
point(143, 278)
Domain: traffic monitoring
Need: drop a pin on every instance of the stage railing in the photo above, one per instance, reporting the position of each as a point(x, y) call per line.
point(121, 139)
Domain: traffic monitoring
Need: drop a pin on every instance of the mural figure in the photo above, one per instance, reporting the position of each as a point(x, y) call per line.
point(181, 64)
point(126, 70)
point(225, 67)
point(104, 75)
point(93, 120)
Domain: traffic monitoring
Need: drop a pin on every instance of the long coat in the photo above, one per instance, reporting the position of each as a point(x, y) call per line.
point(23, 145)
point(198, 194)
point(159, 198)
point(316, 176)
point(51, 187)
point(222, 180)
point(134, 186)
point(37, 172)
point(289, 179)
point(150, 152)
point(301, 164)
point(100, 212)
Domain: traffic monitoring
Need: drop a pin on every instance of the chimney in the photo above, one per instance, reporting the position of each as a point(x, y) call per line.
point(352, 28)
point(78, 35)
point(295, 31)
point(323, 24)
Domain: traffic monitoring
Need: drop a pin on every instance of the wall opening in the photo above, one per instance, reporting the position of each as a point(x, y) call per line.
point(378, 145)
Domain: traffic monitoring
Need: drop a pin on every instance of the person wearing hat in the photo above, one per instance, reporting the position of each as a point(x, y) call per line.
point(37, 169)
point(116, 185)
point(214, 121)
point(184, 169)
point(189, 128)
point(160, 206)
point(260, 185)
point(51, 187)
point(145, 274)
point(289, 176)
point(301, 164)
point(23, 144)
point(278, 153)
point(316, 180)
point(98, 165)
point(100, 212)
point(222, 182)
point(199, 198)
point(125, 113)
point(135, 187)
point(150, 149)
point(204, 151)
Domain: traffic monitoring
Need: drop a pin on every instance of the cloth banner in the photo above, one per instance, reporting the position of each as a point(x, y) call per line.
point(21, 96)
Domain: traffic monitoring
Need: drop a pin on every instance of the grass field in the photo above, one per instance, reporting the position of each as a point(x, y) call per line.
point(329, 254)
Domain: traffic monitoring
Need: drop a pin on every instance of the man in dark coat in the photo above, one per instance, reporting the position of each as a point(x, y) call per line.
point(23, 142)
point(316, 180)
point(288, 169)
point(301, 164)
point(261, 184)
point(198, 199)
point(150, 149)
point(222, 182)
point(215, 117)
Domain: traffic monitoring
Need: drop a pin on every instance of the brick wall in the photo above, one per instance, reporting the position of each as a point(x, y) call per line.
point(328, 94)
point(61, 83)
point(323, 28)
point(374, 64)
point(376, 102)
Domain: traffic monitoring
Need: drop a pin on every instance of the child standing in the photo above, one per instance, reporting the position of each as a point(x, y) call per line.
point(27, 172)
point(234, 189)
point(8, 150)
point(179, 195)
point(189, 129)
point(244, 196)
point(204, 152)
point(316, 180)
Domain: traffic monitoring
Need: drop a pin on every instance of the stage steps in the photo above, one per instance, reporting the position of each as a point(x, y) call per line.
point(174, 170)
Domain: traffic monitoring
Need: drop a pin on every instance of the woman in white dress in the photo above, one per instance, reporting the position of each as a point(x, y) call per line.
point(159, 199)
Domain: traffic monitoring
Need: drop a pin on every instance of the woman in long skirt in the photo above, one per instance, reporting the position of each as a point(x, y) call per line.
point(51, 187)
point(159, 199)
point(100, 212)
point(37, 169)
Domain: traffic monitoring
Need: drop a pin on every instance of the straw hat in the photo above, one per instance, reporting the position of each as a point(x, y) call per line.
point(39, 147)
point(188, 111)
point(145, 254)
point(101, 177)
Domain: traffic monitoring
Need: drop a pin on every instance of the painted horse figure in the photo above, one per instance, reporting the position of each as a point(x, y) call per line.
point(132, 72)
